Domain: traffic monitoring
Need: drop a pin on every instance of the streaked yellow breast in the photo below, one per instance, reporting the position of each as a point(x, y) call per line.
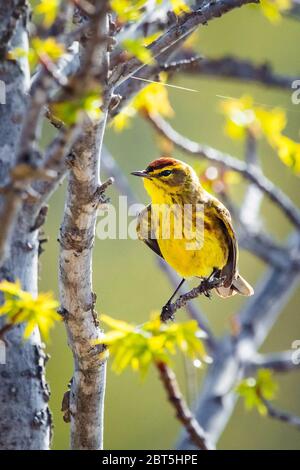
point(201, 248)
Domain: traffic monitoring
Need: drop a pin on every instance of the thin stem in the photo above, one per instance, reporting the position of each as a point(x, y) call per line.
point(229, 67)
point(185, 24)
point(183, 413)
point(280, 415)
point(204, 287)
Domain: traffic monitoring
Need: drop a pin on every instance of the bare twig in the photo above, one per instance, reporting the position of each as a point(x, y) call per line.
point(192, 309)
point(112, 169)
point(249, 212)
point(282, 416)
point(55, 159)
point(169, 310)
point(183, 413)
point(265, 248)
point(28, 166)
point(231, 68)
point(277, 362)
point(184, 26)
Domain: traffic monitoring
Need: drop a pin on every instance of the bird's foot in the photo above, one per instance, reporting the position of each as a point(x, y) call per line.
point(206, 286)
point(167, 313)
point(211, 282)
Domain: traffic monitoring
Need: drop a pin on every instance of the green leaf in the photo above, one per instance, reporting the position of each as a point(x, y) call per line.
point(131, 10)
point(179, 6)
point(140, 346)
point(21, 307)
point(48, 9)
point(273, 9)
point(153, 99)
point(137, 48)
point(75, 108)
point(243, 116)
point(255, 390)
point(127, 10)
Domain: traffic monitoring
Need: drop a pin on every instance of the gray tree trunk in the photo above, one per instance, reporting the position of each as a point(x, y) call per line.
point(24, 413)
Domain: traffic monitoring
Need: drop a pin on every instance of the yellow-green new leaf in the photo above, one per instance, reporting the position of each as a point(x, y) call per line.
point(243, 116)
point(72, 110)
point(273, 9)
point(48, 9)
point(153, 99)
point(48, 48)
point(137, 48)
point(256, 390)
point(179, 6)
point(127, 10)
point(21, 307)
point(140, 346)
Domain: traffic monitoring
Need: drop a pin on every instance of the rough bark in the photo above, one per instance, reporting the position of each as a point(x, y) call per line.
point(25, 419)
point(23, 391)
point(77, 297)
point(85, 401)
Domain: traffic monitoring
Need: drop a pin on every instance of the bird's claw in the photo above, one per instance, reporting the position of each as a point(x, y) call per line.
point(211, 282)
point(207, 294)
point(167, 313)
point(206, 285)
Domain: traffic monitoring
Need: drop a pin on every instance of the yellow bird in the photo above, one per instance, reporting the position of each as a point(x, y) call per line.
point(205, 246)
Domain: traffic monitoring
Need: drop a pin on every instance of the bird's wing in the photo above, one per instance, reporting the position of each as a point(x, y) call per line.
point(230, 269)
point(146, 232)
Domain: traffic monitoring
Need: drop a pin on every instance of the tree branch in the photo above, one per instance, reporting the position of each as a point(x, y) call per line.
point(27, 167)
point(262, 246)
point(169, 310)
point(183, 413)
point(230, 68)
point(280, 415)
point(84, 194)
point(250, 209)
point(193, 310)
point(277, 362)
point(185, 24)
point(55, 160)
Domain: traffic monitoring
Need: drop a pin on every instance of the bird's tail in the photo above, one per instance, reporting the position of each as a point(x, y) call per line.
point(239, 286)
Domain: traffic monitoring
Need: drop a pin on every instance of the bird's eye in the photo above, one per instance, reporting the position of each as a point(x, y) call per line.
point(166, 173)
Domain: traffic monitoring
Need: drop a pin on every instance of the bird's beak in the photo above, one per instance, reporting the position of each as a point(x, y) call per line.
point(142, 174)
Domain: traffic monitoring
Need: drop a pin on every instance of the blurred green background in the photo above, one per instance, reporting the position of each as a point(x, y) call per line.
point(129, 283)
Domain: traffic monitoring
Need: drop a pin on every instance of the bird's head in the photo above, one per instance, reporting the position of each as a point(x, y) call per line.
point(168, 176)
